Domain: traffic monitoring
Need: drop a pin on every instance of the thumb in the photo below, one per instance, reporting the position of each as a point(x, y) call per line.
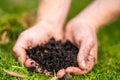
point(20, 54)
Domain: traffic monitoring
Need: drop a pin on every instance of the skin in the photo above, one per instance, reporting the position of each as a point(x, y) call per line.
point(47, 26)
point(81, 31)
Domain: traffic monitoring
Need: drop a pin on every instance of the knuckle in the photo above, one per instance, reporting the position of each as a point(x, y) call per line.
point(90, 45)
point(84, 50)
point(91, 41)
point(14, 49)
point(70, 23)
point(87, 71)
point(22, 34)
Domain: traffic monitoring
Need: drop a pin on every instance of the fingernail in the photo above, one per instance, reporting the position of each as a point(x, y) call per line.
point(83, 64)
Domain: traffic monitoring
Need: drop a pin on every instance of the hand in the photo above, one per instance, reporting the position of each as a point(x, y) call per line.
point(84, 36)
point(36, 35)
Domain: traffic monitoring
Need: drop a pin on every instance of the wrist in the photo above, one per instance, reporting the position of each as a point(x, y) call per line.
point(51, 29)
point(54, 24)
point(85, 23)
point(49, 24)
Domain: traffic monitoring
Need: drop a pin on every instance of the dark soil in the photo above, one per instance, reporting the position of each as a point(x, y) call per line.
point(54, 55)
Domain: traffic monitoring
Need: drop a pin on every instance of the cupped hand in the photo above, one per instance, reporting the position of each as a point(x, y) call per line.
point(84, 36)
point(36, 35)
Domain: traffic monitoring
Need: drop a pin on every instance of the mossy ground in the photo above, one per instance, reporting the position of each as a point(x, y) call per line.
point(17, 15)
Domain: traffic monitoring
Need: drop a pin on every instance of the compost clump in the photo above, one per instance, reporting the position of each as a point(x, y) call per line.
point(54, 55)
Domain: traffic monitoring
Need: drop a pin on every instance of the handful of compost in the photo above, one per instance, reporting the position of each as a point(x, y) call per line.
point(53, 56)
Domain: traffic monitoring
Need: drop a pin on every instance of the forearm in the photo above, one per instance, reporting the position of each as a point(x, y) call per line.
point(99, 12)
point(53, 11)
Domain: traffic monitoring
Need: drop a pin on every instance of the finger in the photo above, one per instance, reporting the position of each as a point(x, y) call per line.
point(89, 63)
point(59, 36)
point(31, 63)
point(75, 71)
point(61, 73)
point(93, 52)
point(92, 58)
point(83, 54)
point(68, 32)
point(20, 53)
point(20, 48)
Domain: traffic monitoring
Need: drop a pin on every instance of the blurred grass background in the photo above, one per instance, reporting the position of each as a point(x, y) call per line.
point(17, 15)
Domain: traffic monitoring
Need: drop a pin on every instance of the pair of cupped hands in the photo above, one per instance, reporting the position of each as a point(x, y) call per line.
point(80, 34)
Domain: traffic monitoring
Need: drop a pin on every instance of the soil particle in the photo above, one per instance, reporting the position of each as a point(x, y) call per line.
point(54, 55)
point(67, 76)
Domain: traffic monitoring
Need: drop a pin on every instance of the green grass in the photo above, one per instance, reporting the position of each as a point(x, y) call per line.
point(13, 20)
